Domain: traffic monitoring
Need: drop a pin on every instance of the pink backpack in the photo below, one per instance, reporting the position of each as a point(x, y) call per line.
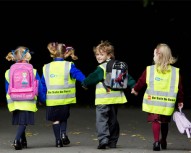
point(22, 84)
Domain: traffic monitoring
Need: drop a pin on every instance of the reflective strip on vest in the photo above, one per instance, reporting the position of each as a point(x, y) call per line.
point(112, 97)
point(161, 92)
point(60, 86)
point(29, 105)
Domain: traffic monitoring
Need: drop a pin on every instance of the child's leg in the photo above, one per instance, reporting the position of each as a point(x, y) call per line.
point(164, 133)
point(20, 131)
point(56, 129)
point(102, 127)
point(164, 130)
point(156, 134)
point(63, 128)
point(113, 126)
point(156, 130)
point(23, 139)
point(63, 124)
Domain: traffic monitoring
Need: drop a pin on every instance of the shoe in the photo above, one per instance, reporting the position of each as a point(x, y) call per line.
point(23, 143)
point(102, 146)
point(112, 145)
point(65, 139)
point(156, 146)
point(59, 143)
point(17, 145)
point(163, 144)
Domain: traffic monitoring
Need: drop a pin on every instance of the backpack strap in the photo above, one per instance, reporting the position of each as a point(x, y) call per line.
point(106, 88)
point(109, 67)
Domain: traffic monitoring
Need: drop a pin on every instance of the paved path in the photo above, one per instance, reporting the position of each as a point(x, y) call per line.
point(135, 134)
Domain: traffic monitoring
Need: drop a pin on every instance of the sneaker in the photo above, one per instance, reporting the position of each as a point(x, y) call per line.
point(156, 146)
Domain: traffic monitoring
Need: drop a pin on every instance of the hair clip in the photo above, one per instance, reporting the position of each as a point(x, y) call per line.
point(69, 48)
point(13, 53)
point(24, 53)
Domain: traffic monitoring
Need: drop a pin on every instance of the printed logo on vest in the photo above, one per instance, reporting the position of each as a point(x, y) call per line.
point(149, 97)
point(158, 79)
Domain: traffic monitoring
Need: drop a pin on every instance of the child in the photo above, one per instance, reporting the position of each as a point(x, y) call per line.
point(106, 102)
point(59, 77)
point(22, 112)
point(164, 86)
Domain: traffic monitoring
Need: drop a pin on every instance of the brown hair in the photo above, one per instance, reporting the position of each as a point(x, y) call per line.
point(17, 54)
point(105, 46)
point(60, 50)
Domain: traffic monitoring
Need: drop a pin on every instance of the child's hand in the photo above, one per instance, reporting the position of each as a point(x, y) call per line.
point(40, 103)
point(180, 105)
point(134, 92)
point(84, 87)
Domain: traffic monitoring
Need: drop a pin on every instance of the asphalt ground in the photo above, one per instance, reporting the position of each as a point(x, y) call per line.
point(135, 133)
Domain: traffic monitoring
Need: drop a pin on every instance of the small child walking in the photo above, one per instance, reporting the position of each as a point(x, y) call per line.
point(58, 80)
point(107, 124)
point(22, 110)
point(164, 89)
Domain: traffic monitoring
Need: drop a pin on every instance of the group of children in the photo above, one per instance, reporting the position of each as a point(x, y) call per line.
point(56, 88)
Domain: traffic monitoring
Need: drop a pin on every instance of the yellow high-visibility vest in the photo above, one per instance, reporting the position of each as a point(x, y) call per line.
point(60, 86)
point(160, 95)
point(20, 105)
point(103, 97)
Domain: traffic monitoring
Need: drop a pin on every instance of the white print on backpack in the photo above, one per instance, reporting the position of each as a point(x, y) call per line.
point(118, 79)
point(23, 96)
point(116, 75)
point(24, 81)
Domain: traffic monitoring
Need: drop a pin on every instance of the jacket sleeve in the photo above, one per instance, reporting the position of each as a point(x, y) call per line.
point(76, 73)
point(41, 94)
point(141, 82)
point(94, 77)
point(180, 95)
point(6, 82)
point(6, 86)
point(131, 81)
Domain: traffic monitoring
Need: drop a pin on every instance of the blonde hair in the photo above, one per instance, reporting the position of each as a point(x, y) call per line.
point(105, 46)
point(60, 50)
point(17, 54)
point(163, 57)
